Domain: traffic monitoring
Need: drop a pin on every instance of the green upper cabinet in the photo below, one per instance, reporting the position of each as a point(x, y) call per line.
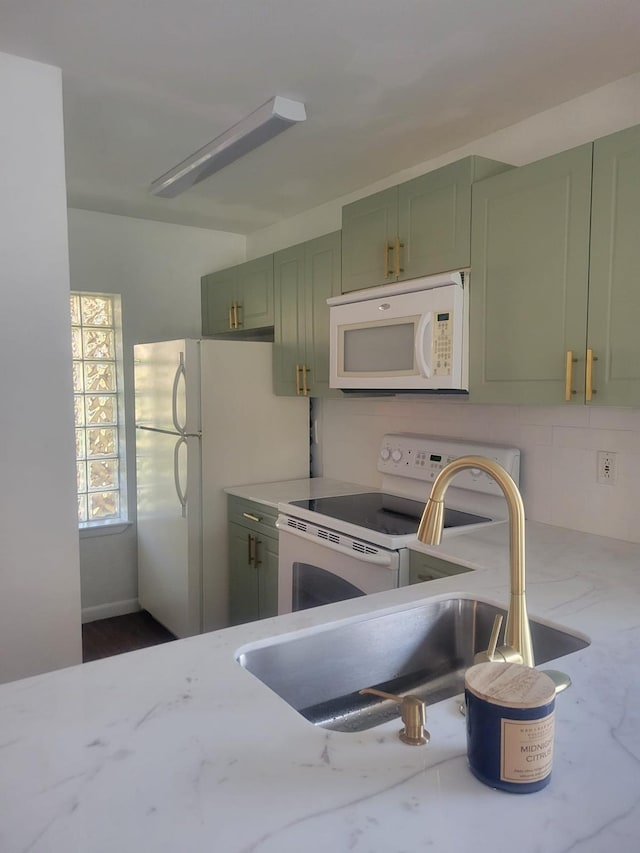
point(289, 326)
point(305, 276)
point(528, 288)
point(369, 229)
point(238, 299)
point(614, 292)
point(554, 299)
point(218, 291)
point(418, 228)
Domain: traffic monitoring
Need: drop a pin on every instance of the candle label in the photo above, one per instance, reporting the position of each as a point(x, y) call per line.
point(526, 749)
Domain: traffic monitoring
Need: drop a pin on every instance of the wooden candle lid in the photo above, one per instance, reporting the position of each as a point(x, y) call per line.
point(511, 685)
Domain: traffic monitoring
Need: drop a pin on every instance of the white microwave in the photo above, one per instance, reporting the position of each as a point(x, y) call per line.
point(410, 336)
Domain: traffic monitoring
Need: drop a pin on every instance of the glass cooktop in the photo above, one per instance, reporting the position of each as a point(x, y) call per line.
point(389, 514)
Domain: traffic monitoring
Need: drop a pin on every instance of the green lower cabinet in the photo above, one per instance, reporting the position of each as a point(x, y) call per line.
point(529, 277)
point(305, 276)
point(614, 292)
point(253, 560)
point(425, 567)
point(253, 575)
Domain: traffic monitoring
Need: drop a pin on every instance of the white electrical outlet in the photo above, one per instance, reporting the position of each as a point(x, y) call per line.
point(606, 467)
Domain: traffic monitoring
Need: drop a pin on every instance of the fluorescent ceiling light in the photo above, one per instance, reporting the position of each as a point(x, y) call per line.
point(255, 129)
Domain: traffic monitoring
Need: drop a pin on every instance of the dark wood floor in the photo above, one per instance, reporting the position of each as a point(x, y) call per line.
point(107, 637)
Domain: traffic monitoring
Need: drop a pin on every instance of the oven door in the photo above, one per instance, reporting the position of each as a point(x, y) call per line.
point(319, 566)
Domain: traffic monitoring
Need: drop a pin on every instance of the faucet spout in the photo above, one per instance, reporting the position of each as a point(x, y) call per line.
point(517, 634)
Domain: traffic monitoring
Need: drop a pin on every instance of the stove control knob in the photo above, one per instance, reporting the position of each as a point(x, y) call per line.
point(396, 455)
point(385, 453)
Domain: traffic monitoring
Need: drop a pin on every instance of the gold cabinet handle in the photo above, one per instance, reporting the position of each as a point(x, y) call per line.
point(252, 554)
point(589, 389)
point(568, 375)
point(237, 309)
point(398, 246)
point(251, 517)
point(305, 387)
point(298, 389)
point(388, 247)
point(231, 316)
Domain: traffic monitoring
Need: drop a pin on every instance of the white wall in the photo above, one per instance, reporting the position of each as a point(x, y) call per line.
point(156, 267)
point(39, 567)
point(559, 444)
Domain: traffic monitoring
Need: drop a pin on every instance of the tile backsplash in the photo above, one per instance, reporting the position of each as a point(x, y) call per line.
point(559, 447)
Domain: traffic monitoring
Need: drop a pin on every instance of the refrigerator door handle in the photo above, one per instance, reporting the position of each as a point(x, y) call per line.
point(180, 372)
point(182, 494)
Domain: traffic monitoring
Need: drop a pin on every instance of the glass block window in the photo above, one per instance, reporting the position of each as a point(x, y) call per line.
point(99, 422)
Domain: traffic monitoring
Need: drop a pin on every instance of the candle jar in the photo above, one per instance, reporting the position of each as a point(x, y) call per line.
point(510, 726)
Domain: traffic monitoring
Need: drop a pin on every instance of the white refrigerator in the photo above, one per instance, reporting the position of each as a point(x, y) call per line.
point(206, 418)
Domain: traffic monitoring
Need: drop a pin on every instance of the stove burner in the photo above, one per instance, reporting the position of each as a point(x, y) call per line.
point(388, 514)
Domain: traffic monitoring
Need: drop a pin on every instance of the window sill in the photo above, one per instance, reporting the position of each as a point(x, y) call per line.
point(103, 528)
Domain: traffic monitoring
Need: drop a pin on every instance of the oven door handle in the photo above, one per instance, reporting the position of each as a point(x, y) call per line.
point(380, 558)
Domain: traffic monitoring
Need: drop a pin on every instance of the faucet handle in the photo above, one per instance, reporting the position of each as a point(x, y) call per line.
point(490, 653)
point(501, 654)
point(495, 633)
point(413, 713)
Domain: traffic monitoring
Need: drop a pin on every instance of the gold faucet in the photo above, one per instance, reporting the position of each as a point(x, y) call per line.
point(517, 634)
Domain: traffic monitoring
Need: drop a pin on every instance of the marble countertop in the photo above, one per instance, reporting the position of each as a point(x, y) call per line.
point(284, 491)
point(177, 748)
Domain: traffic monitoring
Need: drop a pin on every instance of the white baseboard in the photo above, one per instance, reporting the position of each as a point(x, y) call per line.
point(106, 611)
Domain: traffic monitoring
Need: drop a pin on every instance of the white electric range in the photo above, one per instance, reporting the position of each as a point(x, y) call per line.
point(334, 548)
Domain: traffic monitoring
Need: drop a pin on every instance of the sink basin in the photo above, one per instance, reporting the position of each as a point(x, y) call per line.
point(423, 650)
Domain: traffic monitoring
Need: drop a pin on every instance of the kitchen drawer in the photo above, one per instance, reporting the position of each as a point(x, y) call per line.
point(256, 516)
point(425, 567)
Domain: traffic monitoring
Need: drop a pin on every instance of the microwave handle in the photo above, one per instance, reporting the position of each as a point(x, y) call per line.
point(423, 345)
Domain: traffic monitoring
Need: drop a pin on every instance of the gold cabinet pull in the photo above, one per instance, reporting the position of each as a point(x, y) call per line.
point(568, 375)
point(231, 316)
point(589, 390)
point(237, 308)
point(298, 389)
point(305, 387)
point(388, 247)
point(398, 246)
point(252, 555)
point(251, 516)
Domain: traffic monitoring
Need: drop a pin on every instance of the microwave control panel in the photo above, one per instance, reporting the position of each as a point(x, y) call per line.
point(442, 343)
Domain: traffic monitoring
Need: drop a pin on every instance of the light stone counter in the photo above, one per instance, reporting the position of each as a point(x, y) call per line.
point(176, 748)
point(296, 490)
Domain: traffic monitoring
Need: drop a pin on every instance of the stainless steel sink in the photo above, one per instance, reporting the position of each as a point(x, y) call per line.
point(423, 650)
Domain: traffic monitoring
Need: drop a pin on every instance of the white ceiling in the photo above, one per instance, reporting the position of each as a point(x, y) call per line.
point(387, 84)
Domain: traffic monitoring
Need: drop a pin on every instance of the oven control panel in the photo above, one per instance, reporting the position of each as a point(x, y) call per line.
point(421, 457)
